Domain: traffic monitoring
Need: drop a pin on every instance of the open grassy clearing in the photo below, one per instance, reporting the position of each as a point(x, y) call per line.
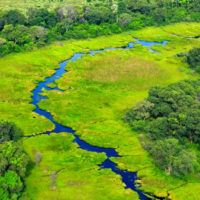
point(76, 174)
point(169, 32)
point(20, 74)
point(184, 29)
point(103, 86)
point(25, 4)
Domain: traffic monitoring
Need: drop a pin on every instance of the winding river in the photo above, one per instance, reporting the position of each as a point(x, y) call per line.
point(129, 178)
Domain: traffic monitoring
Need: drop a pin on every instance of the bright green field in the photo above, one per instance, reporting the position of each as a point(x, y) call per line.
point(77, 174)
point(25, 4)
point(103, 86)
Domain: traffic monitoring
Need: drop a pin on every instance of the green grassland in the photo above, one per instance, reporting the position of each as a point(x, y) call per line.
point(76, 172)
point(25, 4)
point(166, 32)
point(20, 74)
point(103, 86)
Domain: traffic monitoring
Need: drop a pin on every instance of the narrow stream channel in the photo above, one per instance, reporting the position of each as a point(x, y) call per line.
point(129, 178)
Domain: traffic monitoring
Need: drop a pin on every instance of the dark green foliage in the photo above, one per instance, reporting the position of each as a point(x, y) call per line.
point(41, 26)
point(138, 23)
point(99, 15)
point(4, 49)
point(193, 59)
point(13, 162)
point(176, 111)
point(137, 115)
point(19, 34)
point(11, 182)
point(170, 112)
point(122, 7)
point(9, 131)
point(185, 162)
point(171, 157)
point(13, 17)
point(139, 112)
point(124, 20)
point(142, 6)
point(159, 15)
point(174, 98)
point(12, 170)
point(38, 17)
point(13, 158)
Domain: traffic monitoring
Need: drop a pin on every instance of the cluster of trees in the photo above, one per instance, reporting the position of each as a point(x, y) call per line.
point(172, 157)
point(170, 117)
point(193, 59)
point(13, 163)
point(19, 32)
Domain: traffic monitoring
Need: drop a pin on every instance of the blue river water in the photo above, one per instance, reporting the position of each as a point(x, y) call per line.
point(129, 178)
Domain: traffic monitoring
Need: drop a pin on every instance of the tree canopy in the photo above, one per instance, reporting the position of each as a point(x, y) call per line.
point(13, 163)
point(170, 116)
point(39, 26)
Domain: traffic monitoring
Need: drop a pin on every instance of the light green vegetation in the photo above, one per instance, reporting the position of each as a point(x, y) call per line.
point(51, 85)
point(166, 32)
point(190, 192)
point(66, 172)
point(20, 74)
point(103, 86)
point(184, 29)
point(25, 4)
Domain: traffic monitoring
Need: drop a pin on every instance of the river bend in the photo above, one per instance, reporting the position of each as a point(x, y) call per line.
point(129, 178)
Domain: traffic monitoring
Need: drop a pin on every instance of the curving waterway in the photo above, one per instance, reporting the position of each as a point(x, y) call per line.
point(129, 178)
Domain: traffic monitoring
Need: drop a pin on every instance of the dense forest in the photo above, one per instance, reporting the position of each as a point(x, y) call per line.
point(14, 161)
point(193, 59)
point(37, 26)
point(170, 117)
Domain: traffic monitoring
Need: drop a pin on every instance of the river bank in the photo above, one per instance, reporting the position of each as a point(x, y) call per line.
point(102, 86)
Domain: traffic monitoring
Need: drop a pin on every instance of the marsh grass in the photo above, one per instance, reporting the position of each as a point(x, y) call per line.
point(77, 174)
point(103, 86)
point(20, 74)
point(184, 29)
point(115, 68)
point(169, 32)
point(23, 5)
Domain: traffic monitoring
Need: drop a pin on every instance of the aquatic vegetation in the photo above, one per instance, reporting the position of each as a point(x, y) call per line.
point(101, 88)
point(30, 68)
point(67, 171)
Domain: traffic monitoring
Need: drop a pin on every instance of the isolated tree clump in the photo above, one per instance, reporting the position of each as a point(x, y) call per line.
point(13, 162)
point(9, 131)
point(170, 116)
point(193, 59)
point(172, 157)
point(125, 19)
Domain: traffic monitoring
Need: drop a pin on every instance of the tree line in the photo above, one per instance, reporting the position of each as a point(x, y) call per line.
point(39, 26)
point(170, 119)
point(14, 162)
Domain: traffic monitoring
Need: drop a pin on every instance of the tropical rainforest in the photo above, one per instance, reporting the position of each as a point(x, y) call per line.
point(99, 99)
